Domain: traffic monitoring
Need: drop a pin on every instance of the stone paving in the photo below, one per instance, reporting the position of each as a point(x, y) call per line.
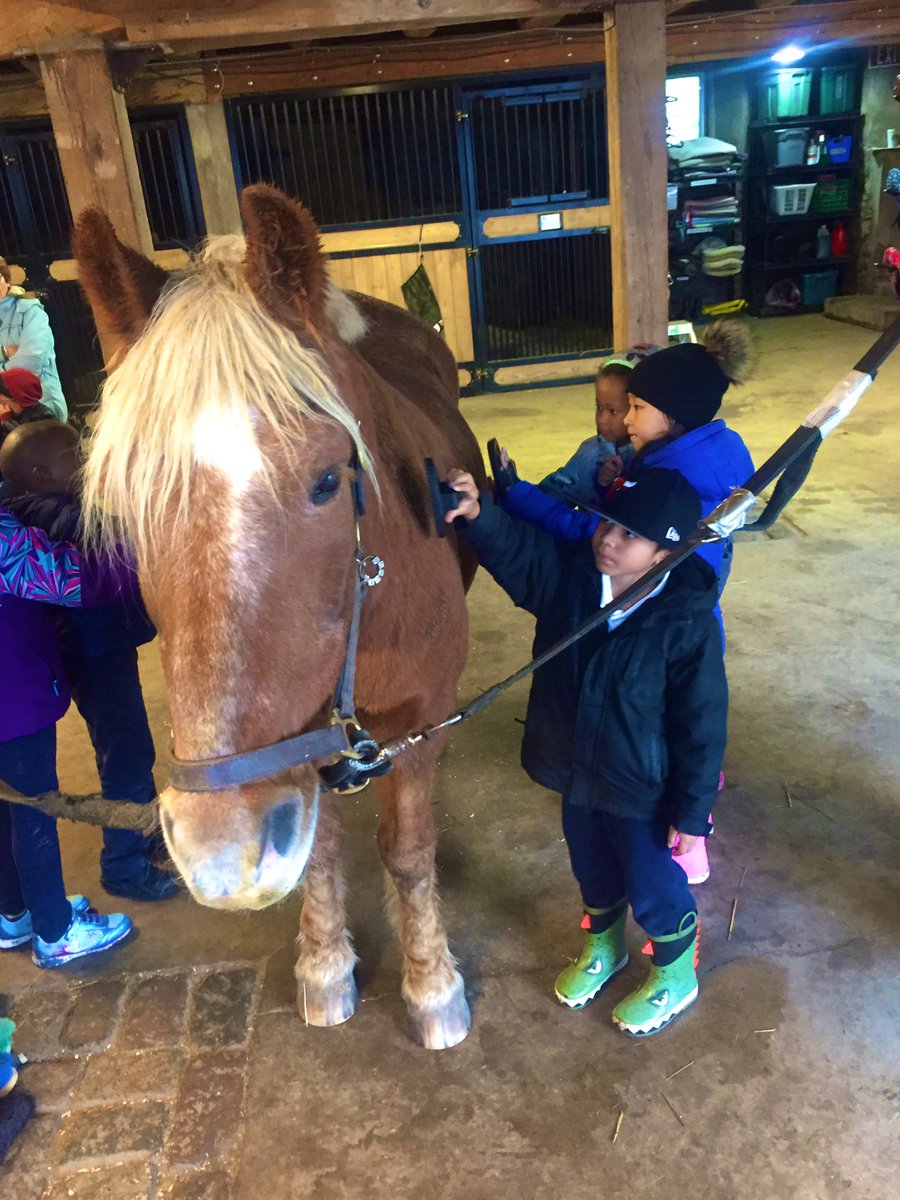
point(138, 1081)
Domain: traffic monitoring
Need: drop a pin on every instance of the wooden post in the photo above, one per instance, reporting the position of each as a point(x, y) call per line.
point(94, 140)
point(638, 169)
point(215, 172)
point(96, 149)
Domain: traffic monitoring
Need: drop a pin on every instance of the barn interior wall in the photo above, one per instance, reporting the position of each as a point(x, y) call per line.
point(728, 91)
point(879, 211)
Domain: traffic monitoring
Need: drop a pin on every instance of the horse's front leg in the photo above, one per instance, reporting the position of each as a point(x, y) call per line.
point(432, 987)
point(326, 989)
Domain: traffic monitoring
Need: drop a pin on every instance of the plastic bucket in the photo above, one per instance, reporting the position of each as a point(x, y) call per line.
point(786, 94)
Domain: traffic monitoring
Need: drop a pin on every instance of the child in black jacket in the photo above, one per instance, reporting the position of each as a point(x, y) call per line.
point(629, 724)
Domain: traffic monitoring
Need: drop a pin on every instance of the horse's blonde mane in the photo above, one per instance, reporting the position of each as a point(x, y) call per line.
point(209, 350)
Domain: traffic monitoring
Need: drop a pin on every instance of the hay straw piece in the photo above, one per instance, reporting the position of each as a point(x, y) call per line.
point(731, 922)
point(618, 1126)
point(680, 1069)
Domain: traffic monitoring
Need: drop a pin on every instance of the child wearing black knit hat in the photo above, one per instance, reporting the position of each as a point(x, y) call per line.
point(674, 397)
point(673, 400)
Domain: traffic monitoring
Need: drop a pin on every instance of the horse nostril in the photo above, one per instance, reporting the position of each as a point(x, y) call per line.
point(280, 828)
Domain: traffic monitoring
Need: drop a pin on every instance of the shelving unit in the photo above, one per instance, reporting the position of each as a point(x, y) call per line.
point(691, 289)
point(783, 247)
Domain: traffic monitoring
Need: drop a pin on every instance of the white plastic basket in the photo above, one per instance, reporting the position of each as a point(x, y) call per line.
point(790, 199)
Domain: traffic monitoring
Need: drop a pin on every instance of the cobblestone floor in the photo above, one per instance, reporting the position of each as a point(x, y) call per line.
point(139, 1084)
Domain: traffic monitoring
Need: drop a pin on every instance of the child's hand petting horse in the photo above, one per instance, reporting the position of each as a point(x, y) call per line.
point(469, 505)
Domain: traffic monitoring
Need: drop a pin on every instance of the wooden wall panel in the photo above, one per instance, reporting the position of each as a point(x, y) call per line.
point(520, 224)
point(530, 373)
point(388, 237)
point(382, 274)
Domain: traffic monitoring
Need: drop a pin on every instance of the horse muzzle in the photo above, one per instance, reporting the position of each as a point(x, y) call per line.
point(244, 848)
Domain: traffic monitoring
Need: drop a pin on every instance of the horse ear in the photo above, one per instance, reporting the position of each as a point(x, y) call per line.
point(285, 265)
point(120, 283)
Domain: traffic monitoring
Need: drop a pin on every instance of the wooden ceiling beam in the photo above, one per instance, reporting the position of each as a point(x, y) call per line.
point(454, 57)
point(48, 26)
point(234, 22)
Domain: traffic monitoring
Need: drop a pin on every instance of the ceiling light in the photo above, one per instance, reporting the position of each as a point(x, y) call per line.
point(787, 55)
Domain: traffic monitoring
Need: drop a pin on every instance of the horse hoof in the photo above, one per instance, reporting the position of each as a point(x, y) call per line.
point(443, 1027)
point(324, 1007)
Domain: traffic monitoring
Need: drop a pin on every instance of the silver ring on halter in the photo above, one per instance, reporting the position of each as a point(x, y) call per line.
point(375, 564)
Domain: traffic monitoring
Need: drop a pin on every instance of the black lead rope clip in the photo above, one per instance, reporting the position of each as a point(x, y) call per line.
point(356, 766)
point(443, 499)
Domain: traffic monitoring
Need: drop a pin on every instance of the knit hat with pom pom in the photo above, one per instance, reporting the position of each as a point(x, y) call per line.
point(688, 381)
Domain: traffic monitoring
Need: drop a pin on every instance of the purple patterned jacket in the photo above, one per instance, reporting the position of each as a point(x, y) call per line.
point(33, 690)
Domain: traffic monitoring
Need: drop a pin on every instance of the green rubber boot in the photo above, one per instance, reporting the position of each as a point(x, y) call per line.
point(603, 956)
point(667, 990)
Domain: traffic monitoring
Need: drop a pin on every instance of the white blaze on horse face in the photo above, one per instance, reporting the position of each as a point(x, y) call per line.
point(225, 446)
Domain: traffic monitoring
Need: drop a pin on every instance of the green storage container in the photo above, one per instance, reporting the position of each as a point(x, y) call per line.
point(831, 195)
point(818, 286)
point(836, 89)
point(786, 94)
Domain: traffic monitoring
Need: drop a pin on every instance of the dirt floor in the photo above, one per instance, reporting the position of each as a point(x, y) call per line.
point(182, 1069)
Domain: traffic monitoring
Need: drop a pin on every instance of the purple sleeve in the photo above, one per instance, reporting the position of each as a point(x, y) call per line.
point(33, 567)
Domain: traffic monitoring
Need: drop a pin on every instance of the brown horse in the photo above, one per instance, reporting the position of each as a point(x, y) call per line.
point(248, 385)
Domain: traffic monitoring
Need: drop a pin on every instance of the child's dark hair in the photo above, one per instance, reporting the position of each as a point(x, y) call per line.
point(614, 370)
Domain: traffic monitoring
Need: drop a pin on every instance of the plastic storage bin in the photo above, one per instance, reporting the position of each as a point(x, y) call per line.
point(786, 94)
point(832, 195)
point(836, 90)
point(786, 147)
point(840, 147)
point(790, 199)
point(817, 286)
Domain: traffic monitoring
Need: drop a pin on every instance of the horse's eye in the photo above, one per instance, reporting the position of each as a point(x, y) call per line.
point(325, 488)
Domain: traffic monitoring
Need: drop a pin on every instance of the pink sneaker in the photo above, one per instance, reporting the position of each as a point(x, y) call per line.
point(695, 863)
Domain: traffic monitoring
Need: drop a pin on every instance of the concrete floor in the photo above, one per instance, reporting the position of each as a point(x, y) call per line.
point(791, 1086)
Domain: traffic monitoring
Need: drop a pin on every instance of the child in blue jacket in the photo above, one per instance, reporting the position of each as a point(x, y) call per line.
point(673, 397)
point(593, 466)
point(628, 724)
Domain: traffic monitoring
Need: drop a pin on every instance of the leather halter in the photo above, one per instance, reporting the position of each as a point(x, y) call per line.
point(343, 737)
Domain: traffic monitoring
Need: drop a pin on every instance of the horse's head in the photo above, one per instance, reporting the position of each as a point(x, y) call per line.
point(223, 445)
